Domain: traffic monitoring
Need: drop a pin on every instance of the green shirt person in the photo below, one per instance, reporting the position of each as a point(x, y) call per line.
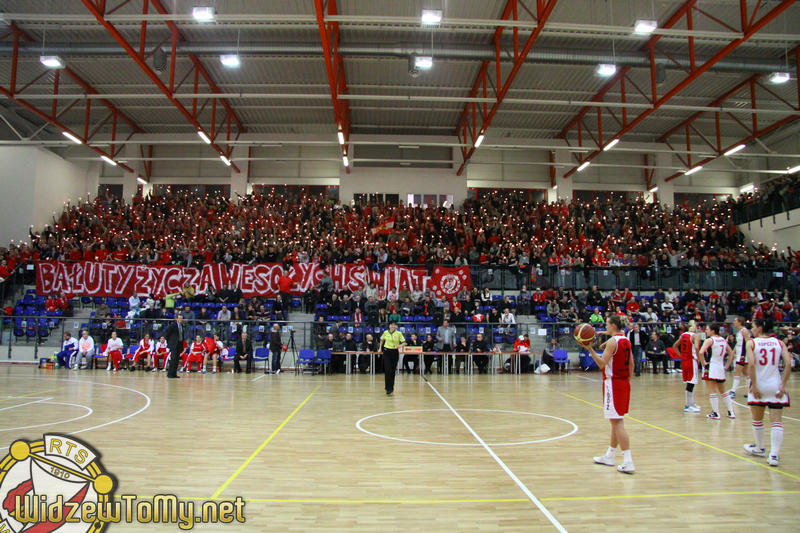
point(597, 317)
point(391, 341)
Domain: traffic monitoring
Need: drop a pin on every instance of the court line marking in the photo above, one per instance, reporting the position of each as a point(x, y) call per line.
point(512, 500)
point(266, 441)
point(24, 404)
point(521, 443)
point(29, 395)
point(748, 407)
point(593, 380)
point(499, 461)
point(89, 411)
point(147, 404)
point(690, 439)
point(259, 377)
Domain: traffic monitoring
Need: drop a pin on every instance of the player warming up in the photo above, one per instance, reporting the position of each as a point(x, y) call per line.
point(686, 345)
point(742, 336)
point(616, 363)
point(161, 351)
point(113, 352)
point(714, 371)
point(767, 388)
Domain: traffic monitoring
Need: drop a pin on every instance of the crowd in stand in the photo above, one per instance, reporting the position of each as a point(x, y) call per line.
point(779, 195)
point(500, 232)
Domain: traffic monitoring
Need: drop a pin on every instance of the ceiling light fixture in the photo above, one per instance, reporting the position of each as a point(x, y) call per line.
point(691, 171)
point(71, 137)
point(225, 160)
point(778, 78)
point(140, 180)
point(423, 62)
point(645, 27)
point(653, 189)
point(747, 188)
point(340, 134)
point(431, 16)
point(108, 160)
point(611, 144)
point(793, 170)
point(479, 140)
point(203, 136)
point(203, 13)
point(735, 149)
point(230, 60)
point(583, 166)
point(606, 69)
point(345, 161)
point(52, 61)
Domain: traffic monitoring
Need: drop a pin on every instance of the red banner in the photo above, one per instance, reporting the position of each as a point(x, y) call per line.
point(89, 278)
point(446, 282)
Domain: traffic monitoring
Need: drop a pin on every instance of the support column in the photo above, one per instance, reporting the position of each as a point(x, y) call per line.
point(93, 177)
point(129, 181)
point(666, 189)
point(239, 179)
point(565, 186)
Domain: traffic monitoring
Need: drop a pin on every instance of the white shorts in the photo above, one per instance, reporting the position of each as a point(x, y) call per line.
point(768, 390)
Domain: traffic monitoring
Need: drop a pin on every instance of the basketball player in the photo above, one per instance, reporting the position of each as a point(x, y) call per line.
point(767, 388)
point(616, 363)
point(145, 349)
point(113, 352)
point(215, 350)
point(742, 336)
point(714, 370)
point(686, 345)
point(161, 352)
point(196, 353)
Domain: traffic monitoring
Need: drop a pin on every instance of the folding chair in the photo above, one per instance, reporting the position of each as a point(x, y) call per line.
point(561, 357)
point(261, 354)
point(98, 354)
point(305, 357)
point(324, 359)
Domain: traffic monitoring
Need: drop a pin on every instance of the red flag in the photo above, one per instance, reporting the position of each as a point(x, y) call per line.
point(447, 282)
point(384, 228)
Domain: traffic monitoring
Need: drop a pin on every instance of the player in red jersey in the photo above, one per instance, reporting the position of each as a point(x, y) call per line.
point(145, 349)
point(161, 352)
point(196, 353)
point(687, 345)
point(767, 387)
point(616, 363)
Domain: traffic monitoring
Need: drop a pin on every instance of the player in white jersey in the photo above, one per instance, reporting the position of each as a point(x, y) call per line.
point(767, 388)
point(742, 336)
point(714, 370)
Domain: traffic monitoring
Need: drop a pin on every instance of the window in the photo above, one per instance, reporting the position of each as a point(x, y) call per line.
point(430, 200)
point(529, 195)
point(196, 190)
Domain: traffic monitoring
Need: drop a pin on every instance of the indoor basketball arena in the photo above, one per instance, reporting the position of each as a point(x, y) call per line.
point(432, 265)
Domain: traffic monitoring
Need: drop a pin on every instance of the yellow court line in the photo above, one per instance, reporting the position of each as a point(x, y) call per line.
point(258, 450)
point(512, 500)
point(29, 394)
point(690, 439)
point(669, 495)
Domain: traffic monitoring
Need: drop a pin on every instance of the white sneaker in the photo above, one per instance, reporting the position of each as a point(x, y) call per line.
point(605, 460)
point(215, 370)
point(278, 371)
point(696, 408)
point(114, 370)
point(689, 409)
point(713, 416)
point(626, 468)
point(772, 460)
point(108, 369)
point(731, 414)
point(203, 371)
point(752, 449)
point(154, 370)
point(163, 369)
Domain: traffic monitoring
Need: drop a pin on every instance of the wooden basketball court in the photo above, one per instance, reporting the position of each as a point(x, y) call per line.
point(461, 453)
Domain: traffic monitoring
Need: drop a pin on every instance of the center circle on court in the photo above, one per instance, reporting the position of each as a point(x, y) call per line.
point(542, 423)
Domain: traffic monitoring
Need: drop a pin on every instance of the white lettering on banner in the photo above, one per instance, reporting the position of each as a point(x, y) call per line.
point(89, 278)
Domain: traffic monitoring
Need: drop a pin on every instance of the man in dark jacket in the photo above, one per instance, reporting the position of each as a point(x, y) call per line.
point(480, 351)
point(656, 351)
point(174, 335)
point(638, 340)
point(244, 351)
point(275, 347)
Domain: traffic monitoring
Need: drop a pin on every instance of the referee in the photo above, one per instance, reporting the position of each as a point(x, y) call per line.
point(391, 341)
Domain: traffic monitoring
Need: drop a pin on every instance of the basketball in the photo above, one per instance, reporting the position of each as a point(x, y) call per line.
point(584, 333)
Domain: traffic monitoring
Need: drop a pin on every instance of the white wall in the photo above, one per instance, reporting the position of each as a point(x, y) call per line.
point(403, 181)
point(781, 233)
point(35, 183)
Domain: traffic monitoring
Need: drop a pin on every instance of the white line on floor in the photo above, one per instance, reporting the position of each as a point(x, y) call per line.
point(26, 403)
point(507, 470)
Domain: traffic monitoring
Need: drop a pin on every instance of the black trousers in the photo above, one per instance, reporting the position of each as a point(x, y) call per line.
point(390, 357)
point(481, 361)
point(410, 359)
point(656, 358)
point(174, 359)
point(249, 367)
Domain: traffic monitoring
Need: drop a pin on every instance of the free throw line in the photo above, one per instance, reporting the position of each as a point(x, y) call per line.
point(690, 439)
point(505, 468)
point(266, 441)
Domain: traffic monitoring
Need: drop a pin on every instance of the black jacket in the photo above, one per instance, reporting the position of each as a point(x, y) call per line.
point(244, 349)
point(642, 338)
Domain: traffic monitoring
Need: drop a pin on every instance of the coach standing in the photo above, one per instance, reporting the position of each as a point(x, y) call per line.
point(174, 336)
point(391, 341)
